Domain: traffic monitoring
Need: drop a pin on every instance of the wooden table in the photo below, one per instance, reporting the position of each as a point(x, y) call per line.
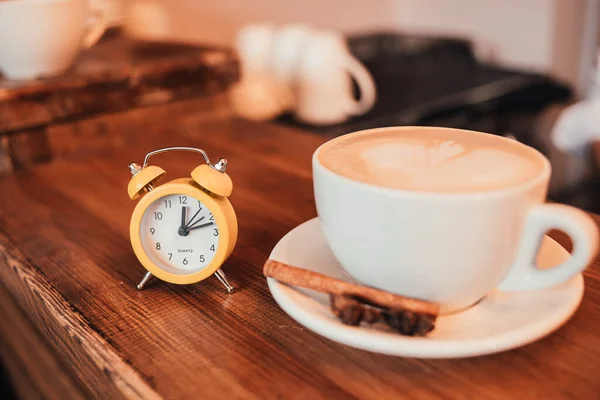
point(73, 325)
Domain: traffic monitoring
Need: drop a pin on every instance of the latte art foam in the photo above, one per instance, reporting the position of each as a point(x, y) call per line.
point(432, 160)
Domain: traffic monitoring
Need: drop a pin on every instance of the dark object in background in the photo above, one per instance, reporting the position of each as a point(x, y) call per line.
point(434, 81)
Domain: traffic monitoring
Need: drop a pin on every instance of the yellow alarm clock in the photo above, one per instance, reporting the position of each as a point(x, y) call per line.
point(182, 231)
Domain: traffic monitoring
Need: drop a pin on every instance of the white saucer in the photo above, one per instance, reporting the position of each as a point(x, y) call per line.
point(499, 322)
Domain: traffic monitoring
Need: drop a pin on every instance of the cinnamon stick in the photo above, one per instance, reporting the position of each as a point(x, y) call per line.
point(322, 283)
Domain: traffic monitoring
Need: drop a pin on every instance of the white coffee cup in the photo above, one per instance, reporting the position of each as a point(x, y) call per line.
point(40, 38)
point(449, 246)
point(323, 81)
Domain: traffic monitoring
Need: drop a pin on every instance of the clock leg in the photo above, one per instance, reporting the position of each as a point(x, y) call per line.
point(223, 279)
point(144, 280)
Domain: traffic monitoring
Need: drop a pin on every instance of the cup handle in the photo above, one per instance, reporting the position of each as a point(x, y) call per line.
point(524, 275)
point(96, 27)
point(368, 92)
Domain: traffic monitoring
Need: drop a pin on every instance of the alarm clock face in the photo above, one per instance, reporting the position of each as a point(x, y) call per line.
point(179, 234)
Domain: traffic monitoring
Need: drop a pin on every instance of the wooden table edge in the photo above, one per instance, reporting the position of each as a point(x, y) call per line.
point(32, 292)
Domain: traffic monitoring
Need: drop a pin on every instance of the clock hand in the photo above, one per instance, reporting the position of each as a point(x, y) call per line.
point(183, 209)
point(189, 226)
point(201, 226)
point(191, 219)
point(182, 230)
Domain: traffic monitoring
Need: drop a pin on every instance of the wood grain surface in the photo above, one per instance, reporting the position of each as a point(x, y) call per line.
point(116, 74)
point(66, 260)
point(80, 138)
point(28, 357)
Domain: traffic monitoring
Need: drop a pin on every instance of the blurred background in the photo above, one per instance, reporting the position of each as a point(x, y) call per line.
point(527, 70)
point(501, 66)
point(552, 36)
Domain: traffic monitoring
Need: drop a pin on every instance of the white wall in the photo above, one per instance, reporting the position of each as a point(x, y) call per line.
point(518, 30)
point(216, 21)
point(545, 35)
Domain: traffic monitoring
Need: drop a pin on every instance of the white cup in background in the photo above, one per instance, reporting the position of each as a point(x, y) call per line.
point(297, 68)
point(258, 96)
point(323, 87)
point(41, 38)
point(254, 46)
point(289, 46)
